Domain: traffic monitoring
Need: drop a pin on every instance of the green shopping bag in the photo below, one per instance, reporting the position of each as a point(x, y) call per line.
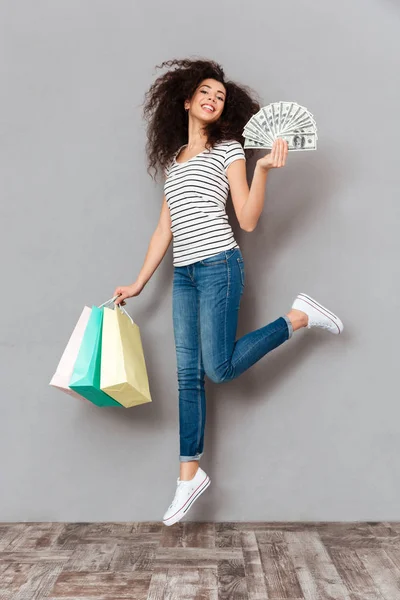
point(85, 379)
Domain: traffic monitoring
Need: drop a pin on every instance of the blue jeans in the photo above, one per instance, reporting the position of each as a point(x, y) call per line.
point(205, 305)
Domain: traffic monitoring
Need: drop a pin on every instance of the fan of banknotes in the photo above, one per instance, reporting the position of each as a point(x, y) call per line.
point(287, 120)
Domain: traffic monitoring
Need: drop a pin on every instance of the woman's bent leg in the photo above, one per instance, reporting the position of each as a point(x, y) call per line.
point(221, 285)
point(190, 370)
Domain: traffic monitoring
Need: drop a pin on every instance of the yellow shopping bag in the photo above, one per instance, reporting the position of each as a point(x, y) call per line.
point(123, 374)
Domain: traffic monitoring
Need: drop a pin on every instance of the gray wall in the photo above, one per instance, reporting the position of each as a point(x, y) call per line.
point(312, 431)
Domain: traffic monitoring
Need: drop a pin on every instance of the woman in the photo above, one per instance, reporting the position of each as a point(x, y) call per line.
point(196, 118)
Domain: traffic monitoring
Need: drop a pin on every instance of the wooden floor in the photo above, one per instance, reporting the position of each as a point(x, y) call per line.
point(200, 561)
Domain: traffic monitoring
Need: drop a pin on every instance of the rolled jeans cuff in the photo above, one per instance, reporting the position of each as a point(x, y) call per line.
point(189, 458)
point(290, 326)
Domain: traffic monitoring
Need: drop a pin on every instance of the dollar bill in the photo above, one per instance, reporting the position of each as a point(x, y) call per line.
point(295, 142)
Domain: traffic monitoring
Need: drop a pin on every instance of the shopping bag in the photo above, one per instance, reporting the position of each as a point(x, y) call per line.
point(85, 378)
point(123, 373)
point(65, 367)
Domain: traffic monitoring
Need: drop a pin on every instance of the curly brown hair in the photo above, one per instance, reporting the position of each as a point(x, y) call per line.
point(167, 119)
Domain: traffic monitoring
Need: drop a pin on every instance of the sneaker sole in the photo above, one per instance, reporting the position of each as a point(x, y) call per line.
point(323, 310)
point(189, 502)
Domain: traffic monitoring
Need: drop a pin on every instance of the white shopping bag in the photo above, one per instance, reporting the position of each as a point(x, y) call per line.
point(62, 376)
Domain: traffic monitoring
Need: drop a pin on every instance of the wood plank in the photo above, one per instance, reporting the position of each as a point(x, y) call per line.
point(139, 557)
point(189, 535)
point(30, 556)
point(9, 532)
point(349, 535)
point(195, 557)
point(49, 538)
point(75, 534)
point(158, 584)
point(383, 571)
point(148, 527)
point(354, 574)
point(171, 537)
point(315, 570)
point(270, 536)
point(386, 536)
point(232, 583)
point(13, 577)
point(40, 582)
point(36, 536)
point(198, 535)
point(107, 586)
point(228, 535)
point(253, 569)
point(279, 571)
point(91, 557)
point(191, 583)
point(394, 555)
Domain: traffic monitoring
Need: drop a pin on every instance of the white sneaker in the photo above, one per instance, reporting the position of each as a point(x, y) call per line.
point(318, 315)
point(186, 494)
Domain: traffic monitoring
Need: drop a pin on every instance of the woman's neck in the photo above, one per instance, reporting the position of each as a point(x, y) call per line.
point(196, 138)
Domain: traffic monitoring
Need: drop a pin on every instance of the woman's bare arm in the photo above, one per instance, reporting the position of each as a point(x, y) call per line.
point(158, 246)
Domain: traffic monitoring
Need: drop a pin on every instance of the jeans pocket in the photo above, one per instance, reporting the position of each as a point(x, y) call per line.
point(220, 258)
point(241, 270)
point(217, 259)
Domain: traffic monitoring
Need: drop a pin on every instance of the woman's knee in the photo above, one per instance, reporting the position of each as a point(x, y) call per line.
point(217, 374)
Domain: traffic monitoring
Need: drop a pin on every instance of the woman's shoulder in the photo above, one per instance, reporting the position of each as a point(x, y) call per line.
point(230, 144)
point(233, 150)
point(229, 148)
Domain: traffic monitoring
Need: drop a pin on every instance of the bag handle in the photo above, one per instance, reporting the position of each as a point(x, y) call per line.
point(121, 308)
point(111, 300)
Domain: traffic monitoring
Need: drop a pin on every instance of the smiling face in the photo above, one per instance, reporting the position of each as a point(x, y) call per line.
point(208, 101)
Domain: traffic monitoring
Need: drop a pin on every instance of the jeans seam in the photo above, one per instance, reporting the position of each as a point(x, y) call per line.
point(259, 341)
point(241, 269)
point(188, 272)
point(226, 306)
point(199, 372)
point(216, 262)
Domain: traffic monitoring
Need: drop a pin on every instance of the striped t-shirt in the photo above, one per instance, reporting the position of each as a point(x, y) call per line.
point(196, 193)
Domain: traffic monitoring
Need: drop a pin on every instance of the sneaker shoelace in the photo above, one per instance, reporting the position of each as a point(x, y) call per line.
point(317, 323)
point(179, 484)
